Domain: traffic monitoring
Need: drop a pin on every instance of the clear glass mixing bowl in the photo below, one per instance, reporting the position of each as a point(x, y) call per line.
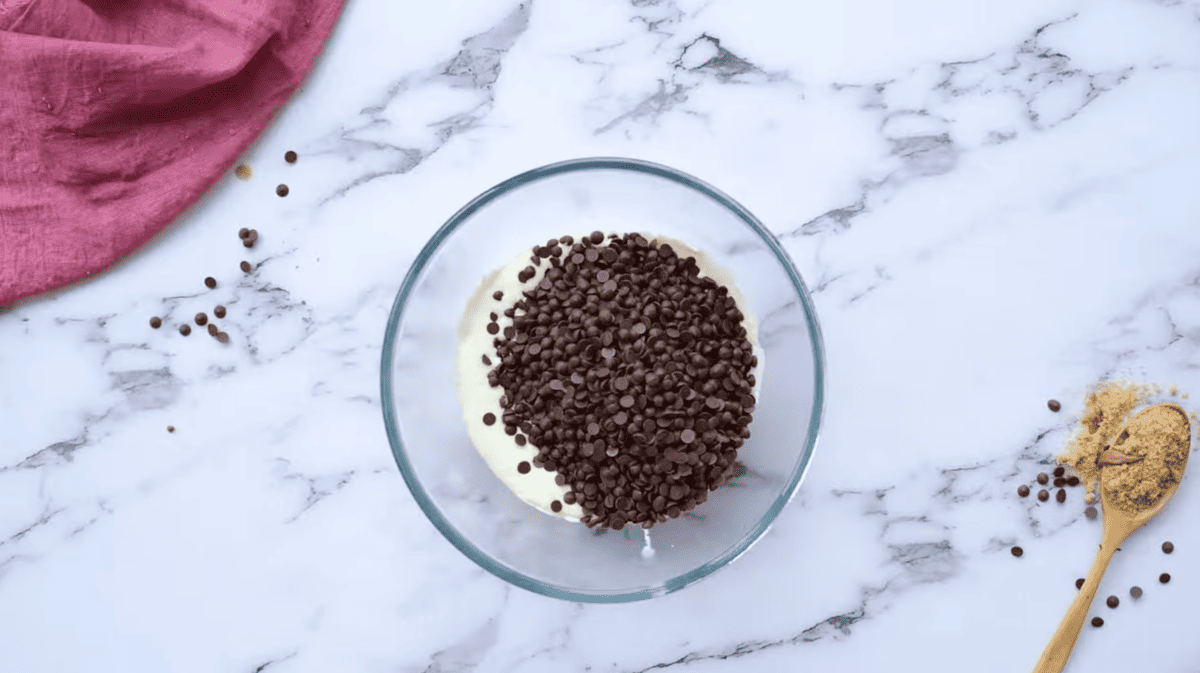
point(453, 484)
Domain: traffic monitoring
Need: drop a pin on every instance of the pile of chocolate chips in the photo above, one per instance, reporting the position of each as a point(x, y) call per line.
point(629, 373)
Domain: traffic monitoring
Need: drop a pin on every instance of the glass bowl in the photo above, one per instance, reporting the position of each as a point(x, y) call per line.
point(451, 481)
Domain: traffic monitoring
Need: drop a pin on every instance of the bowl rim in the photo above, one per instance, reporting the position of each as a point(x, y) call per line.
point(391, 424)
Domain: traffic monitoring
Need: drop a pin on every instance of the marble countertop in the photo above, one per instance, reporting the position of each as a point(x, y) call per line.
point(994, 204)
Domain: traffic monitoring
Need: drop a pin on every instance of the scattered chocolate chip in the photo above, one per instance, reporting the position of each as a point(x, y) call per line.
point(1023, 491)
point(245, 266)
point(156, 322)
point(1060, 471)
point(1090, 512)
point(1054, 405)
point(520, 440)
point(1164, 578)
point(523, 467)
point(1059, 482)
point(498, 295)
point(223, 337)
point(201, 319)
point(185, 329)
point(1072, 481)
point(1079, 583)
point(1113, 601)
point(1167, 547)
point(219, 311)
point(289, 156)
point(210, 282)
point(1061, 496)
point(170, 428)
point(243, 172)
point(489, 418)
point(243, 233)
point(1017, 551)
point(213, 330)
point(1043, 495)
point(1097, 622)
point(1136, 592)
point(282, 190)
point(555, 506)
point(486, 360)
point(494, 328)
point(1043, 478)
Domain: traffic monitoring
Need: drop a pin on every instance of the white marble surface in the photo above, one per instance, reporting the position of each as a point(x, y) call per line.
point(994, 204)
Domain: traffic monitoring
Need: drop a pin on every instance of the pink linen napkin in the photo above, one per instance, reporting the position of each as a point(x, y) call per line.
point(116, 115)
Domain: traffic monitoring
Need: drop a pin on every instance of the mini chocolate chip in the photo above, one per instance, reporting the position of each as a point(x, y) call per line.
point(1017, 551)
point(223, 337)
point(219, 311)
point(1060, 471)
point(1061, 496)
point(498, 295)
point(1097, 622)
point(1090, 512)
point(170, 428)
point(493, 328)
point(1167, 547)
point(687, 436)
point(1079, 583)
point(486, 360)
point(555, 506)
point(1113, 601)
point(210, 282)
point(213, 329)
point(201, 319)
point(282, 190)
point(1059, 482)
point(489, 418)
point(156, 322)
point(1164, 578)
point(1054, 405)
point(520, 440)
point(1136, 592)
point(523, 467)
point(245, 266)
point(1043, 495)
point(289, 156)
point(1023, 491)
point(1043, 478)
point(185, 329)
point(243, 232)
point(1072, 481)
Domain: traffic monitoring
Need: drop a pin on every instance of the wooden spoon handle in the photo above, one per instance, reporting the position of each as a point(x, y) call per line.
point(1054, 658)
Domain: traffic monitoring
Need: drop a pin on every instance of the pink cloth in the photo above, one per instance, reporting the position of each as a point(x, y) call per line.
point(116, 115)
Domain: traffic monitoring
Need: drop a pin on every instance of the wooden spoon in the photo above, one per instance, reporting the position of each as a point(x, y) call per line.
point(1118, 525)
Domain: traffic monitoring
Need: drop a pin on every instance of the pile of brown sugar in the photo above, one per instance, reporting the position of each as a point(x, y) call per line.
point(1142, 463)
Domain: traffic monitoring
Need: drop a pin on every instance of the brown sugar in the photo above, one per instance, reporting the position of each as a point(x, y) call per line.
point(1159, 436)
point(1105, 411)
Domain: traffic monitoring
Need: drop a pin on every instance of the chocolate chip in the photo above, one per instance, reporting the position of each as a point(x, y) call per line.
point(219, 311)
point(212, 329)
point(493, 328)
point(1113, 601)
point(523, 467)
point(1043, 478)
point(687, 436)
point(1090, 512)
point(223, 337)
point(1079, 583)
point(201, 319)
point(156, 322)
point(555, 506)
point(498, 295)
point(1060, 471)
point(1023, 491)
point(489, 418)
point(1164, 578)
point(1136, 592)
point(289, 156)
point(210, 282)
point(1054, 405)
point(1097, 622)
point(1017, 551)
point(486, 360)
point(185, 329)
point(597, 238)
point(245, 266)
point(1072, 481)
point(170, 428)
point(251, 239)
point(1059, 482)
point(1043, 495)
point(1061, 496)
point(282, 190)
point(1167, 547)
point(243, 233)
point(520, 440)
